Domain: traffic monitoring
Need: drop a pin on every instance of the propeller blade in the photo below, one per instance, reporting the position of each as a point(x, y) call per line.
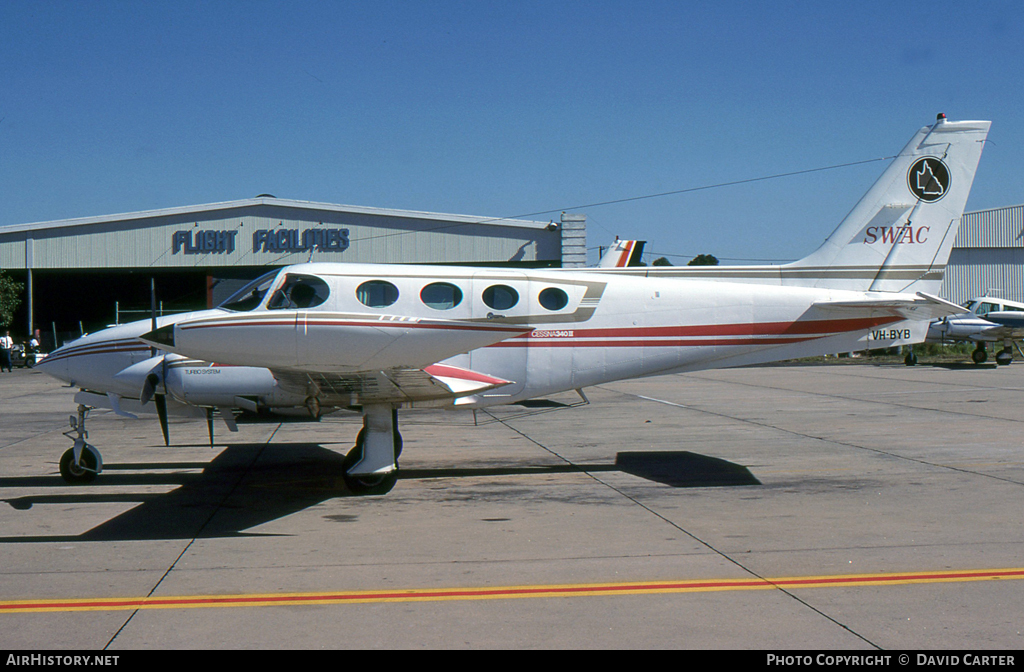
point(209, 424)
point(161, 411)
point(148, 388)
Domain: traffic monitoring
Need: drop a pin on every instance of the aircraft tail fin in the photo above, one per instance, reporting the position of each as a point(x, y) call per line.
point(899, 236)
point(623, 253)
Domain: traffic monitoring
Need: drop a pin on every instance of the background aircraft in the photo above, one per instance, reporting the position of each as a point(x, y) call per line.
point(623, 253)
point(989, 320)
point(379, 338)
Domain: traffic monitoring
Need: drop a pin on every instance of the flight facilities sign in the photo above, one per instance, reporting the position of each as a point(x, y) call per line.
point(275, 241)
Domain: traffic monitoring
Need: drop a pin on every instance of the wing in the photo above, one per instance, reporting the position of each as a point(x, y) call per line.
point(919, 307)
point(433, 385)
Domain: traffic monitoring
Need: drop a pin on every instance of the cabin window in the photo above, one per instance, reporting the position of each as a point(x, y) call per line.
point(251, 295)
point(441, 295)
point(500, 297)
point(299, 291)
point(377, 293)
point(553, 298)
point(986, 308)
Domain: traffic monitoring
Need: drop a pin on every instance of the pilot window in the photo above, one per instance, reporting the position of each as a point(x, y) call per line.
point(553, 298)
point(986, 308)
point(441, 295)
point(299, 291)
point(500, 297)
point(377, 293)
point(251, 295)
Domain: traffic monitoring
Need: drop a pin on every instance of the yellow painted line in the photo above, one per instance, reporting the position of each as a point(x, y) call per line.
point(505, 592)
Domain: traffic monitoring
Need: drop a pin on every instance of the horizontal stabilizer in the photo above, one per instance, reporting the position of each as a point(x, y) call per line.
point(919, 307)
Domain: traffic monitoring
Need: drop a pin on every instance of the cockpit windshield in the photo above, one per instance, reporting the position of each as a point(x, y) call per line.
point(299, 291)
point(251, 295)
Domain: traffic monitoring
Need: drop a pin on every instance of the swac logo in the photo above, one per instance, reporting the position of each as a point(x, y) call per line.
point(928, 179)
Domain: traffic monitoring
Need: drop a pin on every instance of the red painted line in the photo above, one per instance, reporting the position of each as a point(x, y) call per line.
point(511, 591)
point(800, 328)
point(651, 343)
point(57, 356)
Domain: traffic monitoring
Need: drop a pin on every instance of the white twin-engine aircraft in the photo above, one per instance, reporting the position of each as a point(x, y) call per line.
point(986, 319)
point(377, 338)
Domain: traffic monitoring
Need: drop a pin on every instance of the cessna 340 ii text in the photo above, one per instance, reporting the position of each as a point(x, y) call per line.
point(379, 338)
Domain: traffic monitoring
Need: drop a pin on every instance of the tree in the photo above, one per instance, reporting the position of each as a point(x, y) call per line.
point(661, 261)
point(703, 260)
point(10, 298)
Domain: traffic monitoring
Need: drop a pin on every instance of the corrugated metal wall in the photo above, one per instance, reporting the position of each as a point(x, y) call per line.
point(987, 257)
point(150, 242)
point(1001, 227)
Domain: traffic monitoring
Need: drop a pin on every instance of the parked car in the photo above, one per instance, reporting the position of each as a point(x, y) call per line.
point(23, 356)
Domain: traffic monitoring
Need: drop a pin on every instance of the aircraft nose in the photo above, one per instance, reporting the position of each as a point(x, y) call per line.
point(55, 364)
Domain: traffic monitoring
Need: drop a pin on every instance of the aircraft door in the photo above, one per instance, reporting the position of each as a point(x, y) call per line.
point(502, 296)
point(297, 294)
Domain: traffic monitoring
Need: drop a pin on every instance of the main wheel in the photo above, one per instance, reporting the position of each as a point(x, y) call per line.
point(979, 356)
point(910, 359)
point(369, 484)
point(1004, 357)
point(397, 438)
point(78, 473)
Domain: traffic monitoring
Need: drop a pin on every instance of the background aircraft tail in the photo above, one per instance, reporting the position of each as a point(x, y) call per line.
point(623, 253)
point(899, 236)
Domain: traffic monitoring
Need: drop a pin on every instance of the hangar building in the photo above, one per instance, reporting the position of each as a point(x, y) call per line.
point(987, 257)
point(83, 274)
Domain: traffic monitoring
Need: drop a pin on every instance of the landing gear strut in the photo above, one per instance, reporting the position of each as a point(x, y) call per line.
point(1005, 356)
point(81, 463)
point(371, 467)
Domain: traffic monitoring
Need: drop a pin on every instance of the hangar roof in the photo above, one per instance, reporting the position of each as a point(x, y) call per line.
point(278, 202)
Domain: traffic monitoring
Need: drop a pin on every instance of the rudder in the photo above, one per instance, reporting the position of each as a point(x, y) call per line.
point(899, 235)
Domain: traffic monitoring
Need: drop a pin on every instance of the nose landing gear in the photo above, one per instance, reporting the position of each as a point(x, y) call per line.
point(81, 463)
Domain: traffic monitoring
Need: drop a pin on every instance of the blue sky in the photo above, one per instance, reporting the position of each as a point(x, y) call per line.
point(502, 109)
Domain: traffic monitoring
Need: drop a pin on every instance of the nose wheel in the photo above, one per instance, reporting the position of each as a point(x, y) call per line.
point(81, 463)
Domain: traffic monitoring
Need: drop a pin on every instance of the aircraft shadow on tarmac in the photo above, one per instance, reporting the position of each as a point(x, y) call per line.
point(248, 485)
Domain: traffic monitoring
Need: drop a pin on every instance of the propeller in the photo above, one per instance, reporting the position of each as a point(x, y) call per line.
point(161, 412)
point(152, 380)
point(149, 391)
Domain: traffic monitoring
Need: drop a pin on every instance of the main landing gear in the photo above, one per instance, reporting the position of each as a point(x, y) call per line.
point(1003, 358)
point(371, 467)
point(82, 462)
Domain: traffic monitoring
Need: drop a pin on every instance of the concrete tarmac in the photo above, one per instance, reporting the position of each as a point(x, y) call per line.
point(845, 506)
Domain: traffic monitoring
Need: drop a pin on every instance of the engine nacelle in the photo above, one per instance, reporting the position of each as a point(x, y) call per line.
point(204, 384)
